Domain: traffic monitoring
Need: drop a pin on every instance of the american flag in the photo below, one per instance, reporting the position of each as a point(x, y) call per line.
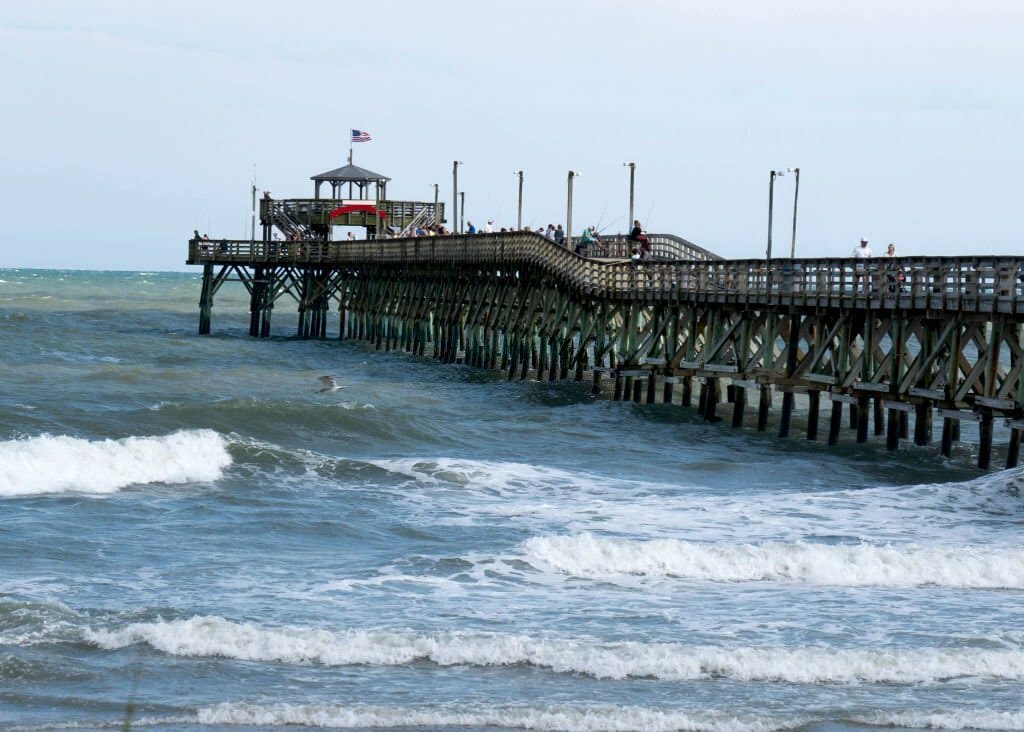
point(361, 136)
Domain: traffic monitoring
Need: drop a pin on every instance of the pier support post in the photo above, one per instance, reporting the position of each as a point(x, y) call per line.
point(764, 404)
point(813, 409)
point(1013, 449)
point(638, 387)
point(651, 387)
point(787, 413)
point(711, 399)
point(862, 419)
point(922, 423)
point(946, 448)
point(687, 399)
point(666, 390)
point(617, 395)
point(206, 300)
point(739, 404)
point(879, 416)
point(835, 423)
point(985, 439)
point(702, 398)
point(892, 434)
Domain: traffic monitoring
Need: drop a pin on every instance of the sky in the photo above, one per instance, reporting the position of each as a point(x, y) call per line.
point(127, 124)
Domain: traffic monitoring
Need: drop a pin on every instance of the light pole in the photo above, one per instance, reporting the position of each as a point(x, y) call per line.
point(462, 211)
point(632, 177)
point(455, 195)
point(434, 218)
point(796, 192)
point(568, 211)
point(519, 208)
point(771, 195)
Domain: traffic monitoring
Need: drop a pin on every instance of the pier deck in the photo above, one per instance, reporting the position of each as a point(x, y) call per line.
point(931, 337)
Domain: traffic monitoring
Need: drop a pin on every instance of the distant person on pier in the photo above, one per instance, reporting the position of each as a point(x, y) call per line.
point(470, 229)
point(637, 232)
point(861, 254)
point(894, 274)
point(559, 235)
point(489, 229)
point(586, 240)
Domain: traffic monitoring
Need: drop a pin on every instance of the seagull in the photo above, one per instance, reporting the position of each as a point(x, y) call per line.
point(329, 384)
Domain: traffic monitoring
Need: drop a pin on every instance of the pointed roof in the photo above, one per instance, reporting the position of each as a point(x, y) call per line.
point(351, 174)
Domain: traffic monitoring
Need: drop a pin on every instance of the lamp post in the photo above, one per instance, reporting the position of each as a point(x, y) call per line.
point(771, 195)
point(519, 208)
point(796, 192)
point(632, 178)
point(462, 211)
point(434, 218)
point(771, 190)
point(455, 195)
point(568, 210)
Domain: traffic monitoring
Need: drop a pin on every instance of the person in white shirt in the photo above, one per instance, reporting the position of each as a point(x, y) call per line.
point(489, 229)
point(862, 252)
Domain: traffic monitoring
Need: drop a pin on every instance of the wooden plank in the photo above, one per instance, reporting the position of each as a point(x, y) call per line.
point(821, 378)
point(994, 403)
point(926, 393)
point(843, 398)
point(870, 386)
point(654, 361)
point(746, 384)
point(672, 379)
point(898, 406)
point(722, 368)
point(635, 373)
point(961, 414)
point(691, 364)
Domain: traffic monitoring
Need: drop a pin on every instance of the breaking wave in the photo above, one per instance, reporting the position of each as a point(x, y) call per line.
point(590, 556)
point(57, 464)
point(215, 636)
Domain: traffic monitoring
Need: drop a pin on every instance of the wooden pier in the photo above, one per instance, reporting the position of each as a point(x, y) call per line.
point(941, 341)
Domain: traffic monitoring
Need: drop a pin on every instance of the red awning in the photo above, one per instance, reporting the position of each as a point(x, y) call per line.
point(358, 208)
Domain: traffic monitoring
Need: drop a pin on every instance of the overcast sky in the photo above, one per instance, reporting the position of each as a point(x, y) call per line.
point(129, 124)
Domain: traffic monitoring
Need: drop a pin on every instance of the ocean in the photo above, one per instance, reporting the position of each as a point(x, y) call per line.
point(193, 536)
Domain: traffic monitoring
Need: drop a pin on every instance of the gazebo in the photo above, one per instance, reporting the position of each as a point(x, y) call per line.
point(353, 175)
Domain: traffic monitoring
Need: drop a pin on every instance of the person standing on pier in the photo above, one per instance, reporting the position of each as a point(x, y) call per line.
point(559, 235)
point(862, 252)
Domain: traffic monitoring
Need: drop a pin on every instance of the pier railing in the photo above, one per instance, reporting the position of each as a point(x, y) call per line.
point(976, 284)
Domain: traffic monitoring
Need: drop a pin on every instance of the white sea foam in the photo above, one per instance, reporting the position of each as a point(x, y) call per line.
point(593, 718)
point(597, 718)
point(215, 636)
point(966, 719)
point(56, 464)
point(587, 555)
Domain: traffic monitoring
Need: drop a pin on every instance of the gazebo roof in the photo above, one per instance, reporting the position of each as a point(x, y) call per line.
point(351, 174)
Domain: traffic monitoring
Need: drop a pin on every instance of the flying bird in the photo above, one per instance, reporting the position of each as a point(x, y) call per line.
point(329, 384)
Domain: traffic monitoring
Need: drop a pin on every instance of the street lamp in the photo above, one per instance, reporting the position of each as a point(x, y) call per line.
point(568, 209)
point(796, 192)
point(434, 218)
point(455, 194)
point(462, 211)
point(632, 176)
point(771, 197)
point(519, 219)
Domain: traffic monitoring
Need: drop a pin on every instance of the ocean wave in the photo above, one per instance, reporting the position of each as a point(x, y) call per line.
point(57, 464)
point(593, 718)
point(598, 718)
point(205, 636)
point(593, 557)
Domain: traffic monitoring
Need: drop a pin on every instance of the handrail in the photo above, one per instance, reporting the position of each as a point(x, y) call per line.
point(977, 284)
